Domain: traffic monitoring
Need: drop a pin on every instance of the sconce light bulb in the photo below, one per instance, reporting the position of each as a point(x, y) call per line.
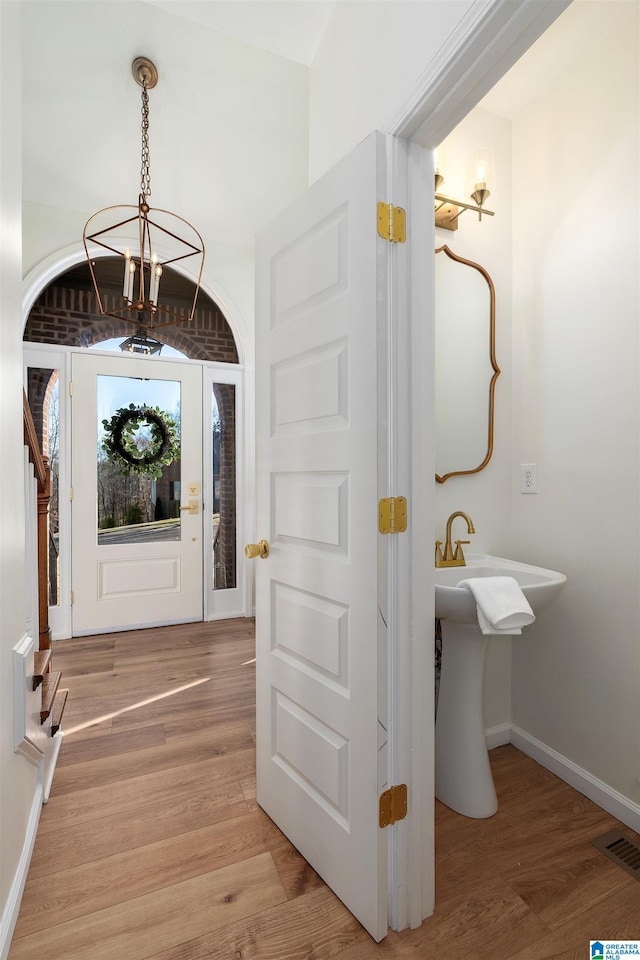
point(481, 183)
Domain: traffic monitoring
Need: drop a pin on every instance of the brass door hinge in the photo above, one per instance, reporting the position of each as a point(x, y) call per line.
point(392, 222)
point(393, 805)
point(70, 493)
point(71, 598)
point(392, 515)
point(70, 388)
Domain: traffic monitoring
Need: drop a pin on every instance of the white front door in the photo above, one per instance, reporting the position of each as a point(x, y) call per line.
point(321, 448)
point(136, 551)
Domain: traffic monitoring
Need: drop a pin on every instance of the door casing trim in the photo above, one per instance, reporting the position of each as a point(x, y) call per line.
point(488, 40)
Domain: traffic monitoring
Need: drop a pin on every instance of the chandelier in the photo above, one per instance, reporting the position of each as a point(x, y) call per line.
point(147, 240)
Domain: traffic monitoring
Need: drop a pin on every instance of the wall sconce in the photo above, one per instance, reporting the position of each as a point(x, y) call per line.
point(448, 210)
point(138, 234)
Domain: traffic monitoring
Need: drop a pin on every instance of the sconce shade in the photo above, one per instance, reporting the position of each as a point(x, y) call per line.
point(481, 171)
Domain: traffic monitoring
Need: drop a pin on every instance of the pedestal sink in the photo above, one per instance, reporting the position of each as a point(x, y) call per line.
point(463, 774)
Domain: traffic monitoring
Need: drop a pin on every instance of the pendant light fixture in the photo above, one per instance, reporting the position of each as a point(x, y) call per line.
point(147, 240)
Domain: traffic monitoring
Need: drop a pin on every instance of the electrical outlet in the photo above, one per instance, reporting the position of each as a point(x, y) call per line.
point(528, 480)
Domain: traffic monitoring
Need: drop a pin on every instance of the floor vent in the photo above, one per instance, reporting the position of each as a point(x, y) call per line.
point(621, 850)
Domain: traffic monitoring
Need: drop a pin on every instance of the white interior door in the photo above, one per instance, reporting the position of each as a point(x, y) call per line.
point(321, 665)
point(136, 551)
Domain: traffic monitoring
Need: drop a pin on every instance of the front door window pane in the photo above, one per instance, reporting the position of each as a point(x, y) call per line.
point(224, 486)
point(138, 460)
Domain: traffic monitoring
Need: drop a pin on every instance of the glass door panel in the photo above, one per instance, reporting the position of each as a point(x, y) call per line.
point(224, 534)
point(138, 460)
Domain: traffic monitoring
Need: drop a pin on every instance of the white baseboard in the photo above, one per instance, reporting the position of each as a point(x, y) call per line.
point(50, 763)
point(497, 736)
point(12, 906)
point(619, 806)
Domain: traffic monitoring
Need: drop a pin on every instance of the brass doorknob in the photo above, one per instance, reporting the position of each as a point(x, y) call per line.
point(260, 549)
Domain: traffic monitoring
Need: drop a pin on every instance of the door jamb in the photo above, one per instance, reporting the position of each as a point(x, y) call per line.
point(486, 43)
point(489, 39)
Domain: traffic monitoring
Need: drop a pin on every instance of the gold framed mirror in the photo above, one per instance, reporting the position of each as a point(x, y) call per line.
point(465, 365)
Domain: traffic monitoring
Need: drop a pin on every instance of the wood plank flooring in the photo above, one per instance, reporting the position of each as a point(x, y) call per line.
point(152, 846)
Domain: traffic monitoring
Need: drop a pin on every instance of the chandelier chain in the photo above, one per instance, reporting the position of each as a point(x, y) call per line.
point(145, 168)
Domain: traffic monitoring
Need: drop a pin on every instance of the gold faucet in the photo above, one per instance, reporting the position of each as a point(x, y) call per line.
point(449, 558)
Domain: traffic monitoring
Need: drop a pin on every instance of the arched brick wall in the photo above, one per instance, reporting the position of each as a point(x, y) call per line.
point(68, 316)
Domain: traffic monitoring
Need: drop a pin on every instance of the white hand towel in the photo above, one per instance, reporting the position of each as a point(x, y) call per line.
point(502, 606)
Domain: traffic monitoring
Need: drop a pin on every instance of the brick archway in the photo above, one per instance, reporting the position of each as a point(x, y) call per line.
point(65, 313)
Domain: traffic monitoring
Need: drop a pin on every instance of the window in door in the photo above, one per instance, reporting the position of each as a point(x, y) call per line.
point(223, 427)
point(138, 460)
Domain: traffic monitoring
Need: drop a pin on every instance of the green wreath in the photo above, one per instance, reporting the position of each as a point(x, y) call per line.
point(121, 444)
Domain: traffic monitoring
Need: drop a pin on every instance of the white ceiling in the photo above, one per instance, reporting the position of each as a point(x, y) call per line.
point(289, 28)
point(294, 28)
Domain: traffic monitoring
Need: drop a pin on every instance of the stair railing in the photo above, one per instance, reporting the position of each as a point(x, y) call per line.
point(43, 478)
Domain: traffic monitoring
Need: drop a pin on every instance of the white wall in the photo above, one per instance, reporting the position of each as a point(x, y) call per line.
point(367, 63)
point(18, 777)
point(576, 679)
point(485, 496)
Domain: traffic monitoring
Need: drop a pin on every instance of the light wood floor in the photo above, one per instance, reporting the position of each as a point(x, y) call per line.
point(152, 845)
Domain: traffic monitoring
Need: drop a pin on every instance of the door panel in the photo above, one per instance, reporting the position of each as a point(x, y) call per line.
point(136, 555)
point(321, 281)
